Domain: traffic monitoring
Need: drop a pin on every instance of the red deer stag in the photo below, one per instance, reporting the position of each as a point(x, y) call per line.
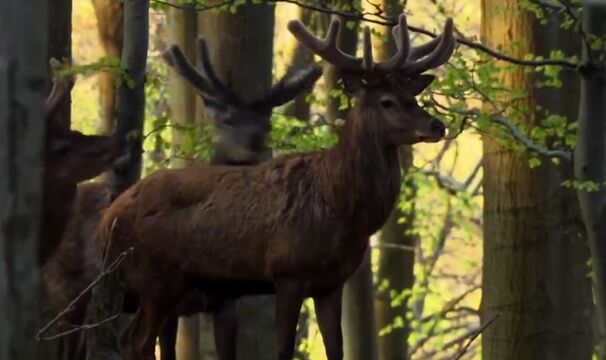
point(71, 157)
point(243, 128)
point(296, 226)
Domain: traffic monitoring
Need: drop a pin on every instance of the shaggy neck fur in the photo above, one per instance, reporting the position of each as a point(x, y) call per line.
point(361, 175)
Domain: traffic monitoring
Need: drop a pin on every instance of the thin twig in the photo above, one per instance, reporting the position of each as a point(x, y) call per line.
point(105, 272)
point(475, 335)
point(382, 20)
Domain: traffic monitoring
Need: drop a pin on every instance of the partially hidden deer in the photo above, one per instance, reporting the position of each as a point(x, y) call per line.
point(297, 226)
point(70, 157)
point(243, 127)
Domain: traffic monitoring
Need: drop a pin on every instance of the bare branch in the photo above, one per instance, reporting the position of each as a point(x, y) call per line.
point(475, 335)
point(383, 20)
point(105, 272)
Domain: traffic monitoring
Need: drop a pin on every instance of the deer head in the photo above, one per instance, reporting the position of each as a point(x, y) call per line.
point(387, 90)
point(71, 156)
point(243, 126)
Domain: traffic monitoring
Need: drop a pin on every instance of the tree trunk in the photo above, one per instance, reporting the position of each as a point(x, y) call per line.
point(241, 48)
point(110, 27)
point(358, 318)
point(60, 46)
point(532, 229)
point(23, 74)
point(590, 160)
point(300, 108)
point(182, 29)
point(395, 265)
point(130, 110)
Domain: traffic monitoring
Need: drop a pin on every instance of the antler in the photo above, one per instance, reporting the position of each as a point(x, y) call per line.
point(410, 61)
point(208, 87)
point(327, 48)
point(61, 87)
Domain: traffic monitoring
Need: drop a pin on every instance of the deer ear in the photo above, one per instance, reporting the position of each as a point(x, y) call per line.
point(420, 83)
point(352, 83)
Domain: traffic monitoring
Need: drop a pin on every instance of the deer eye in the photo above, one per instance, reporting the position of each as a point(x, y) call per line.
point(387, 103)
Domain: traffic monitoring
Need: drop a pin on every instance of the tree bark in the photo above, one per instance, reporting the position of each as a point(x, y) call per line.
point(590, 158)
point(110, 27)
point(106, 299)
point(395, 266)
point(182, 29)
point(23, 74)
point(241, 48)
point(535, 256)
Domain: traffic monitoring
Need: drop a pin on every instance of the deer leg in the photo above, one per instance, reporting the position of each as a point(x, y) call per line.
point(168, 338)
point(328, 313)
point(145, 331)
point(225, 324)
point(289, 299)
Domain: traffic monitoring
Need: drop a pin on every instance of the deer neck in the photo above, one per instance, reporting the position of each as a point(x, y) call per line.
point(58, 200)
point(362, 174)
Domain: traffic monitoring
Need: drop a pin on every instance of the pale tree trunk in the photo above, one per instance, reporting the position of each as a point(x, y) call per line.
point(590, 160)
point(106, 299)
point(396, 262)
point(299, 107)
point(110, 27)
point(182, 29)
point(534, 271)
point(358, 318)
point(241, 48)
point(23, 74)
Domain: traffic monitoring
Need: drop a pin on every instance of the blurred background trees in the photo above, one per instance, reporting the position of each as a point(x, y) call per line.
point(488, 230)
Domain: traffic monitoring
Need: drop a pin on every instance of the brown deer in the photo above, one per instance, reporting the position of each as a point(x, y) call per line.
point(70, 157)
point(296, 226)
point(243, 128)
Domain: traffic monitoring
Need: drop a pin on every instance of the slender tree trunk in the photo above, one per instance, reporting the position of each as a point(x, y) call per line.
point(590, 159)
point(395, 266)
point(300, 108)
point(182, 29)
point(241, 48)
point(358, 319)
point(23, 74)
point(110, 27)
point(130, 110)
point(60, 46)
point(535, 256)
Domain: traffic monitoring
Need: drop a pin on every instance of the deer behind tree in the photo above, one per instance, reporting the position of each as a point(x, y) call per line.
point(297, 225)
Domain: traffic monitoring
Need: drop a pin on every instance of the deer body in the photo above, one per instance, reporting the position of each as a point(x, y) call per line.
point(298, 225)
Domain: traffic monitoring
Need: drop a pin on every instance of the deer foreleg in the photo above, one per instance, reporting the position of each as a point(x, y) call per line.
point(328, 313)
point(168, 338)
point(225, 323)
point(289, 298)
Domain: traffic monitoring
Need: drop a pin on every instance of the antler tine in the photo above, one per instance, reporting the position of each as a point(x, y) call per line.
point(367, 63)
point(402, 40)
point(175, 59)
point(61, 87)
point(221, 90)
point(438, 56)
point(326, 48)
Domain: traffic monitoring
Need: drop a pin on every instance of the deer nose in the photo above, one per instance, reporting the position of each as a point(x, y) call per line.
point(438, 127)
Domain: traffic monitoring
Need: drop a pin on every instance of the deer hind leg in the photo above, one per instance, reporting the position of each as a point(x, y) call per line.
point(328, 313)
point(225, 324)
point(168, 338)
point(289, 298)
point(149, 318)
